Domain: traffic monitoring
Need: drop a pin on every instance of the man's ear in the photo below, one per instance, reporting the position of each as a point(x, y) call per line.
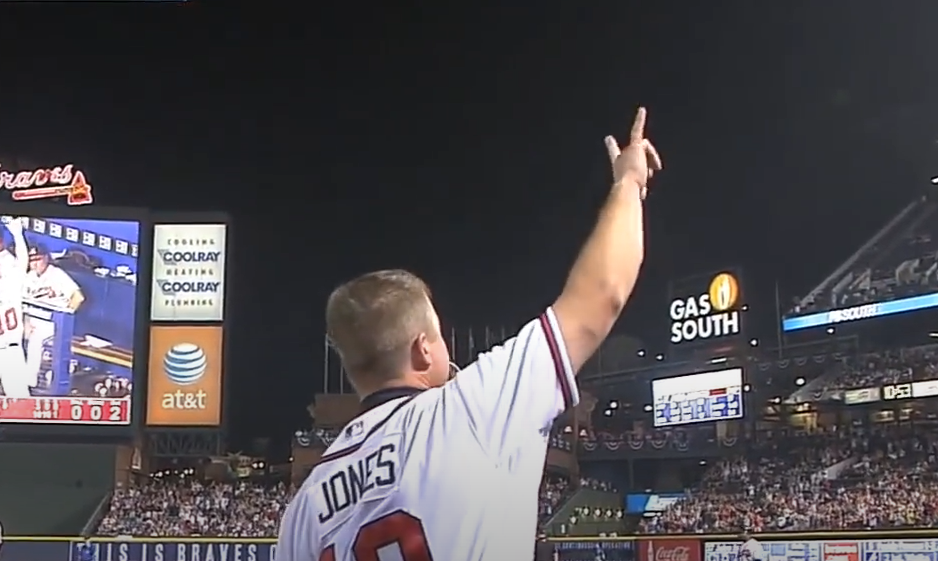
point(420, 358)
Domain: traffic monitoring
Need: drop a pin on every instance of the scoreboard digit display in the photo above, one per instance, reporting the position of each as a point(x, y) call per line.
point(697, 398)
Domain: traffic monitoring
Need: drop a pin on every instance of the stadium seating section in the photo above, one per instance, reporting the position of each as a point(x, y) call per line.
point(180, 506)
point(846, 479)
point(898, 262)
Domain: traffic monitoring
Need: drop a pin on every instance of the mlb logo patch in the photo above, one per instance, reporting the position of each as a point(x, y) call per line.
point(354, 429)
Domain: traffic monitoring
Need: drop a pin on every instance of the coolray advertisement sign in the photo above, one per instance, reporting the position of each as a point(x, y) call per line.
point(188, 272)
point(709, 311)
point(831, 550)
point(668, 549)
point(185, 382)
point(134, 550)
point(47, 183)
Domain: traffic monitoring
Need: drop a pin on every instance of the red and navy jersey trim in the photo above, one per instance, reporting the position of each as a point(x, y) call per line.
point(553, 345)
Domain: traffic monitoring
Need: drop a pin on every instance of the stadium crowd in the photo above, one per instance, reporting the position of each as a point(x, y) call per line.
point(825, 482)
point(179, 507)
point(888, 367)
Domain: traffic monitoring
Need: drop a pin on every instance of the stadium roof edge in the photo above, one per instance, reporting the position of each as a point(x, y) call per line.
point(850, 261)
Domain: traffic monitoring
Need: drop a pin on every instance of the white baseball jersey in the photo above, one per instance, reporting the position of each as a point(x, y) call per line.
point(11, 312)
point(7, 261)
point(752, 550)
point(52, 284)
point(447, 473)
point(12, 279)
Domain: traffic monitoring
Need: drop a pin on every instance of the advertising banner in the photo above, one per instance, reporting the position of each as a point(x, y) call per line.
point(864, 395)
point(705, 308)
point(133, 550)
point(188, 272)
point(668, 549)
point(650, 504)
point(832, 550)
point(185, 381)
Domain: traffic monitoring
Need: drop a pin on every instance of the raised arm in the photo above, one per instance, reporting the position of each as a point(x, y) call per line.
point(21, 251)
point(520, 387)
point(604, 274)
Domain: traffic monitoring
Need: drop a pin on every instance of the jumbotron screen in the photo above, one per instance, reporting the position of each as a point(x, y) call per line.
point(68, 290)
point(697, 398)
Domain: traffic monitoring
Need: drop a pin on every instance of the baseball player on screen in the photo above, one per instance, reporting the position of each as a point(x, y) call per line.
point(751, 549)
point(13, 373)
point(444, 469)
point(7, 259)
point(48, 284)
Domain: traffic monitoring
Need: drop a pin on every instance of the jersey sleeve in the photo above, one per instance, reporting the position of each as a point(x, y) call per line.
point(64, 284)
point(516, 390)
point(296, 540)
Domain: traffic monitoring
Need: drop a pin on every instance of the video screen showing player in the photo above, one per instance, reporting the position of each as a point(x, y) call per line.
point(67, 306)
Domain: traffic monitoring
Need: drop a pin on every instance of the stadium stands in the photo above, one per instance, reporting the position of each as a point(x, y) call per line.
point(831, 481)
point(554, 489)
point(183, 506)
point(178, 507)
point(888, 367)
point(898, 261)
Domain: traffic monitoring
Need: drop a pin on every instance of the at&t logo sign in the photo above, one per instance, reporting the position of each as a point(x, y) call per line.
point(712, 314)
point(185, 364)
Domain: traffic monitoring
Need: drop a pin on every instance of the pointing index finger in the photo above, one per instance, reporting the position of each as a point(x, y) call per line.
point(638, 126)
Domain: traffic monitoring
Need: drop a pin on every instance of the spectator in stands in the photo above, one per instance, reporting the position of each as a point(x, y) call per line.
point(171, 507)
point(881, 480)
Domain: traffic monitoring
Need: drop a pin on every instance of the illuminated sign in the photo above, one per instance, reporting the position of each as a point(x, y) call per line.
point(185, 381)
point(897, 391)
point(927, 388)
point(865, 395)
point(188, 272)
point(866, 311)
point(71, 320)
point(48, 183)
point(708, 315)
point(697, 398)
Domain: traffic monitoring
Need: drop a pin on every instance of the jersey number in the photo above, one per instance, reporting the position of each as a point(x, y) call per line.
point(9, 320)
point(396, 529)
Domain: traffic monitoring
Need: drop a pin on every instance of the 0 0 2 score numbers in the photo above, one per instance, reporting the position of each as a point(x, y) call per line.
point(110, 411)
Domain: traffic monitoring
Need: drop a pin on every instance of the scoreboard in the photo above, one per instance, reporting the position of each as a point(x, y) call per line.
point(697, 398)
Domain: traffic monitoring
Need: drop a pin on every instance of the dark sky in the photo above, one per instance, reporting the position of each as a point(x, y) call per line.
point(466, 144)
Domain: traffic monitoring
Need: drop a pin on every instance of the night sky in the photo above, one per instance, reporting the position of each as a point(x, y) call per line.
point(466, 144)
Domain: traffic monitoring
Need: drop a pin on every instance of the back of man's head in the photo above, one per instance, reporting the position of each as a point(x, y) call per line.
point(373, 320)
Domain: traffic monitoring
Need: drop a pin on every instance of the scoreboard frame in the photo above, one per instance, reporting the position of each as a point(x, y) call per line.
point(44, 430)
point(731, 371)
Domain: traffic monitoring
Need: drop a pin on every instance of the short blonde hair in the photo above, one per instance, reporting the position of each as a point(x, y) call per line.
point(372, 320)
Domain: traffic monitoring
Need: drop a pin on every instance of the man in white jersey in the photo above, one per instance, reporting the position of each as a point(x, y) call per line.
point(13, 373)
point(7, 259)
point(51, 286)
point(751, 550)
point(444, 469)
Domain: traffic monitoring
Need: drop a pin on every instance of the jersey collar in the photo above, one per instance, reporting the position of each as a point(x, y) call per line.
point(381, 397)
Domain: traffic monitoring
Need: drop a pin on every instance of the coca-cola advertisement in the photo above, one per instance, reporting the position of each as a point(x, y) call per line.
point(666, 549)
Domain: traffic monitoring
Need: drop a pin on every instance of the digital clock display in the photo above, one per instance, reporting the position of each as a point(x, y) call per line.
point(697, 398)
